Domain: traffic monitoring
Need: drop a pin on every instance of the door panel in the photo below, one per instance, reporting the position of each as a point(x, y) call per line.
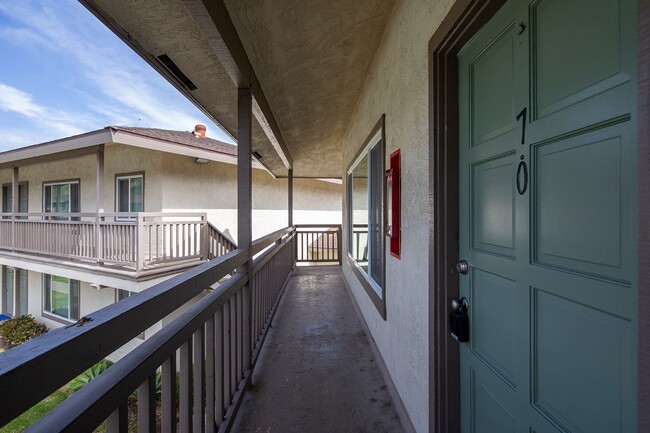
point(489, 413)
point(581, 196)
point(493, 105)
point(552, 268)
point(494, 324)
point(492, 206)
point(578, 386)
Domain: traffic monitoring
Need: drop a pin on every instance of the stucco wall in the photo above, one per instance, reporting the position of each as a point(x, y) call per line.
point(118, 159)
point(82, 169)
point(397, 85)
point(121, 159)
point(212, 188)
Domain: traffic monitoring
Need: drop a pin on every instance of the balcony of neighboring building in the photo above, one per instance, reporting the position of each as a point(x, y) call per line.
point(130, 245)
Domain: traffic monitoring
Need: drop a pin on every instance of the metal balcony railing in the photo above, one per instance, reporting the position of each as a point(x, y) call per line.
point(209, 351)
point(136, 241)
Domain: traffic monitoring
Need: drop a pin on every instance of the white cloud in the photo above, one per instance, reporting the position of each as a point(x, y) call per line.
point(15, 100)
point(129, 91)
point(12, 99)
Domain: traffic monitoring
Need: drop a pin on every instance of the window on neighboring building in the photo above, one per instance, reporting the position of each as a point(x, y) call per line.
point(365, 204)
point(129, 193)
point(61, 297)
point(12, 299)
point(61, 197)
point(123, 294)
point(23, 198)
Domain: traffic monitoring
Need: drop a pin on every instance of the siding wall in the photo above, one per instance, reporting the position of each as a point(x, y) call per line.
point(397, 85)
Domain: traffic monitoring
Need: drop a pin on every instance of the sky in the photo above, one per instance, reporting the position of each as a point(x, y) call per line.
point(62, 73)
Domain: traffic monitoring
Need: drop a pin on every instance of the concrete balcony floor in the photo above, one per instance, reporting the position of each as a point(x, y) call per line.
point(317, 371)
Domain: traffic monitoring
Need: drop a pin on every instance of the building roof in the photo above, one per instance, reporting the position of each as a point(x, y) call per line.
point(181, 137)
point(163, 140)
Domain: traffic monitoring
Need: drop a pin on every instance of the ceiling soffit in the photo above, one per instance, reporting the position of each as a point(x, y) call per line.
point(154, 28)
point(311, 59)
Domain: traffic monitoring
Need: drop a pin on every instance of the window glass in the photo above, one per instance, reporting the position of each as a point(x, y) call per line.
point(61, 296)
point(360, 213)
point(7, 291)
point(22, 296)
point(7, 198)
point(130, 194)
point(61, 198)
point(365, 196)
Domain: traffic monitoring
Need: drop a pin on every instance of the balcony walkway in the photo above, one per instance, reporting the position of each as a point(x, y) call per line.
point(317, 372)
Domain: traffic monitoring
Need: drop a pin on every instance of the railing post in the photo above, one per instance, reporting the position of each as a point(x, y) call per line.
point(245, 207)
point(15, 205)
point(139, 235)
point(339, 241)
point(205, 238)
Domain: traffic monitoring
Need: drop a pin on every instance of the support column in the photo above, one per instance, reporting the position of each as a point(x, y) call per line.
point(290, 204)
point(99, 202)
point(15, 205)
point(99, 197)
point(15, 196)
point(245, 207)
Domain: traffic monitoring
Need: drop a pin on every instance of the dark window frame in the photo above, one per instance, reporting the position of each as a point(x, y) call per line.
point(74, 311)
point(364, 278)
point(61, 182)
point(5, 196)
point(116, 196)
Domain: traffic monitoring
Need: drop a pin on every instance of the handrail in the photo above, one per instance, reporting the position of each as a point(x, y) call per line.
point(55, 358)
point(138, 241)
point(37, 368)
point(318, 243)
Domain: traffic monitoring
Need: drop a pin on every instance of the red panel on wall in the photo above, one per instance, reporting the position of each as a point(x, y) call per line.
point(393, 228)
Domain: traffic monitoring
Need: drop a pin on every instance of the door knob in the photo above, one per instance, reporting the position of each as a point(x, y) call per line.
point(462, 267)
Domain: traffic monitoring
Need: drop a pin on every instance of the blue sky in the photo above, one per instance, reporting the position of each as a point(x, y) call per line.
point(62, 73)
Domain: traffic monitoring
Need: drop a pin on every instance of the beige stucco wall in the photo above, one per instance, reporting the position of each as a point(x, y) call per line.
point(120, 159)
point(212, 188)
point(397, 85)
point(82, 169)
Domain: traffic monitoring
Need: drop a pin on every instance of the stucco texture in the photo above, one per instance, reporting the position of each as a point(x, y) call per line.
point(397, 86)
point(212, 188)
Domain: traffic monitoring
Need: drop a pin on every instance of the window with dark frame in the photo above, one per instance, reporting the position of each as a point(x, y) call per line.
point(129, 193)
point(7, 198)
point(61, 297)
point(10, 296)
point(61, 197)
point(365, 208)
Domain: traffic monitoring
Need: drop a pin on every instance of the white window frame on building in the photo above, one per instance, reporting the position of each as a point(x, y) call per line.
point(73, 298)
point(131, 205)
point(74, 203)
point(369, 263)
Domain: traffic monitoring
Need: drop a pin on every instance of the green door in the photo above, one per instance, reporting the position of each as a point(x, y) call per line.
point(548, 219)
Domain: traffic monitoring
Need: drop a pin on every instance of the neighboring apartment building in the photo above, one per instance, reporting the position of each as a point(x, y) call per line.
point(111, 212)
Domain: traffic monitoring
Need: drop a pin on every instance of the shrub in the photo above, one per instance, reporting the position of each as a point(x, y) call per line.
point(20, 329)
point(84, 378)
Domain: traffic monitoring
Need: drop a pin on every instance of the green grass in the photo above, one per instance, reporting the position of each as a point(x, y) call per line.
point(35, 413)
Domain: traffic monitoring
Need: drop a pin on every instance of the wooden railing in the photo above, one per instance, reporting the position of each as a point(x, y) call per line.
point(220, 244)
point(137, 241)
point(360, 242)
point(208, 352)
point(318, 243)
